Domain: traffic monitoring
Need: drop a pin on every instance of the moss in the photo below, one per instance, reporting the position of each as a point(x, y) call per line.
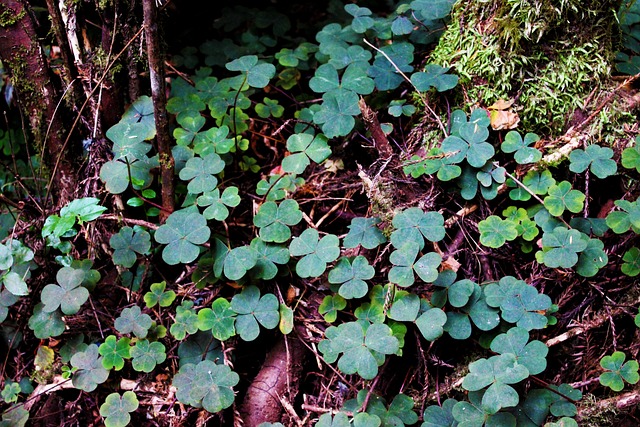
point(9, 17)
point(547, 55)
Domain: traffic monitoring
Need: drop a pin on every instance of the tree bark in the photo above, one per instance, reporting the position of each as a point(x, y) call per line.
point(37, 96)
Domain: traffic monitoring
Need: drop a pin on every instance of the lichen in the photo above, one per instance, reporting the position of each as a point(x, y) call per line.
point(505, 49)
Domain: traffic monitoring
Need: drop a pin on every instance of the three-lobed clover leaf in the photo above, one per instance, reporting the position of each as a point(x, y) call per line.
point(201, 171)
point(360, 343)
point(631, 156)
point(114, 351)
point(90, 370)
point(132, 319)
point(439, 416)
point(413, 224)
point(598, 159)
point(628, 217)
point(186, 321)
point(316, 252)
point(115, 409)
point(533, 355)
point(398, 413)
point(592, 258)
point(434, 76)
point(330, 306)
point(256, 73)
point(513, 143)
point(484, 317)
point(217, 203)
point(561, 197)
point(238, 261)
point(405, 307)
point(274, 220)
point(561, 247)
point(10, 392)
point(474, 413)
point(495, 231)
point(336, 113)
point(68, 294)
point(126, 243)
point(158, 295)
point(207, 385)
point(146, 355)
point(519, 302)
point(458, 293)
point(351, 276)
point(617, 371)
point(631, 265)
point(364, 231)
point(470, 143)
point(431, 323)
point(269, 255)
point(384, 72)
point(252, 309)
point(303, 148)
point(183, 231)
point(497, 373)
point(45, 324)
point(198, 347)
point(404, 264)
point(362, 19)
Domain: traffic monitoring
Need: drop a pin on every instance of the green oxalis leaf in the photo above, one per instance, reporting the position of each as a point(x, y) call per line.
point(330, 306)
point(434, 76)
point(303, 148)
point(126, 243)
point(274, 220)
point(114, 352)
point(631, 156)
point(158, 295)
point(519, 302)
point(201, 171)
point(405, 307)
point(183, 231)
point(474, 413)
point(458, 293)
point(238, 261)
point(439, 416)
point(186, 321)
point(217, 203)
point(628, 217)
point(431, 323)
point(497, 373)
point(470, 144)
point(592, 258)
point(45, 324)
point(364, 231)
point(562, 197)
point(354, 80)
point(561, 247)
point(398, 413)
point(524, 154)
point(90, 370)
point(315, 252)
point(404, 264)
point(146, 355)
point(116, 409)
point(362, 344)
point(351, 276)
point(530, 354)
point(362, 19)
point(336, 113)
point(617, 371)
point(257, 73)
point(384, 72)
point(495, 231)
point(597, 159)
point(207, 385)
point(198, 347)
point(415, 225)
point(10, 392)
point(631, 266)
point(132, 319)
point(253, 309)
point(268, 256)
point(68, 294)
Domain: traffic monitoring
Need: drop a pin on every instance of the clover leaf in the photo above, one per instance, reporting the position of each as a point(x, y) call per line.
point(274, 220)
point(495, 232)
point(158, 295)
point(67, 295)
point(336, 113)
point(398, 413)
point(524, 154)
point(592, 258)
point(116, 409)
point(183, 231)
point(457, 292)
point(126, 243)
point(496, 372)
point(404, 264)
point(561, 247)
point(434, 76)
point(217, 204)
point(431, 323)
point(191, 123)
point(10, 391)
point(147, 355)
point(628, 217)
point(340, 419)
point(315, 252)
point(439, 416)
point(186, 321)
point(530, 354)
point(364, 231)
point(219, 319)
point(631, 265)
point(370, 312)
point(383, 71)
point(351, 276)
point(257, 74)
point(207, 385)
point(431, 10)
point(330, 306)
point(562, 197)
point(485, 318)
point(359, 342)
point(132, 319)
point(198, 347)
point(470, 144)
point(362, 20)
point(253, 309)
point(238, 261)
point(90, 370)
point(412, 224)
point(597, 159)
point(617, 371)
point(303, 148)
point(114, 351)
point(201, 171)
point(631, 156)
point(45, 324)
point(519, 302)
point(474, 413)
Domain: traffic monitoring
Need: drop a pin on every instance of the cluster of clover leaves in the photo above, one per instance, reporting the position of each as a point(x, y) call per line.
point(212, 119)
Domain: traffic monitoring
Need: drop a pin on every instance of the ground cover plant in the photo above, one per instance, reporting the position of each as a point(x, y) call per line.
point(398, 214)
